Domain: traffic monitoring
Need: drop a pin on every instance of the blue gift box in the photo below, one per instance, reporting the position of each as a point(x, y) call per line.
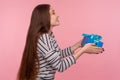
point(92, 38)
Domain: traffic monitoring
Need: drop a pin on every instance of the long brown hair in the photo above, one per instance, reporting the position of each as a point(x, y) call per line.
point(39, 24)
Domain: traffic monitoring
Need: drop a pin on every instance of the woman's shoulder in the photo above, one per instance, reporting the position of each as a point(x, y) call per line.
point(44, 37)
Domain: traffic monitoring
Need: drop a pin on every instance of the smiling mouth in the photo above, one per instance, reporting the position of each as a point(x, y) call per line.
point(57, 18)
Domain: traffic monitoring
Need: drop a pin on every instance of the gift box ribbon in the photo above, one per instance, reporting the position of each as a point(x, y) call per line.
point(96, 38)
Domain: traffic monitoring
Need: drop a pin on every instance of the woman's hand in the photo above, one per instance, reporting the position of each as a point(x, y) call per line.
point(88, 48)
point(91, 49)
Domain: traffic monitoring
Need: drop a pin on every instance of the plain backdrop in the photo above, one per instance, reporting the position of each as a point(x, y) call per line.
point(76, 17)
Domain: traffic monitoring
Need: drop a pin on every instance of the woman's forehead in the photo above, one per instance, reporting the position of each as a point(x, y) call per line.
point(51, 8)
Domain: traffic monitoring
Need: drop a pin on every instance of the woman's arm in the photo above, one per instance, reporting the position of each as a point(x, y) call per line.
point(76, 46)
point(66, 52)
point(52, 56)
point(89, 48)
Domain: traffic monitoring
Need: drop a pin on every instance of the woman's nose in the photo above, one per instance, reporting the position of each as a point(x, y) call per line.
point(57, 16)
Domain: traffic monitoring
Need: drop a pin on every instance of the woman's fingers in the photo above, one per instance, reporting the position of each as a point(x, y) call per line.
point(98, 49)
point(92, 48)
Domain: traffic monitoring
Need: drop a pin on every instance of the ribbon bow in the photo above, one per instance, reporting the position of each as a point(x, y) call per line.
point(94, 37)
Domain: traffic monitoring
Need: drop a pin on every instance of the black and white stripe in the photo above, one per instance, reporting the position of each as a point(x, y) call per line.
point(52, 58)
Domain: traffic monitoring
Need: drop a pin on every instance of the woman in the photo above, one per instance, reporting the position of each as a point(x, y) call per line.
point(42, 56)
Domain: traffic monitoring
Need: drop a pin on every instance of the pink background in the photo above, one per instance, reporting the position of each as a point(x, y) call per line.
point(76, 17)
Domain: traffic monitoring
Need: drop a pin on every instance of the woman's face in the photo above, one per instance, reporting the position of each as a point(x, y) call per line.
point(53, 18)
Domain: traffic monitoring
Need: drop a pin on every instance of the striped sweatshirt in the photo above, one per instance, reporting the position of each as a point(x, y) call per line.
point(52, 58)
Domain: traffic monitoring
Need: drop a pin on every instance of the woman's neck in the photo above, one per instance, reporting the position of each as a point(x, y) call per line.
point(50, 29)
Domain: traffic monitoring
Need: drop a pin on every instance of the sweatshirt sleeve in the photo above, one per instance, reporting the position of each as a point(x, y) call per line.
point(52, 56)
point(66, 52)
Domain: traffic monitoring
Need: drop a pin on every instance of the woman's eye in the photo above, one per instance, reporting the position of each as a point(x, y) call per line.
point(53, 12)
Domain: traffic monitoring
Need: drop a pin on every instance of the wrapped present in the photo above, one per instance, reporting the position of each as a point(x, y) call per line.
point(92, 38)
